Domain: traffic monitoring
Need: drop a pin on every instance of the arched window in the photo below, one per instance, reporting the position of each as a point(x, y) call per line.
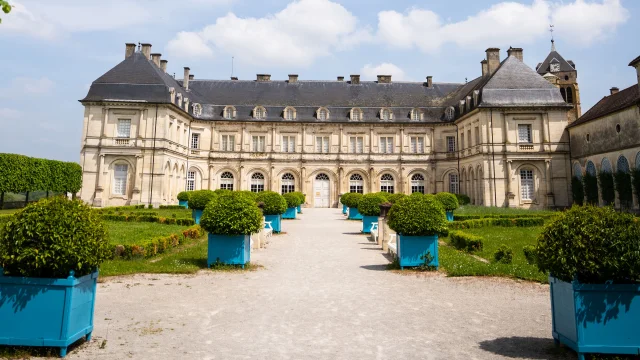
point(120, 179)
point(226, 181)
point(356, 114)
point(229, 112)
point(288, 183)
point(257, 182)
point(259, 113)
point(526, 184)
point(324, 177)
point(577, 170)
point(417, 183)
point(563, 93)
point(415, 115)
point(191, 181)
point(322, 114)
point(454, 183)
point(606, 166)
point(591, 168)
point(386, 183)
point(385, 115)
point(356, 184)
point(622, 165)
point(449, 113)
point(289, 113)
point(569, 95)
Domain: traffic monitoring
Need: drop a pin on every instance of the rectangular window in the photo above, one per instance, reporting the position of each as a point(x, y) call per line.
point(386, 145)
point(454, 185)
point(120, 179)
point(195, 141)
point(191, 181)
point(289, 143)
point(477, 135)
point(124, 128)
point(526, 184)
point(322, 144)
point(462, 140)
point(451, 144)
point(258, 143)
point(356, 144)
point(417, 145)
point(228, 143)
point(469, 139)
point(524, 133)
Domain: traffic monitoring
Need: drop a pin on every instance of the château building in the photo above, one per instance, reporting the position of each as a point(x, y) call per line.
point(499, 138)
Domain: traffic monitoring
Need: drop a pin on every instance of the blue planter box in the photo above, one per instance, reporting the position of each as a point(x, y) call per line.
point(196, 214)
point(276, 222)
point(596, 318)
point(449, 215)
point(184, 203)
point(412, 248)
point(290, 213)
point(354, 214)
point(366, 223)
point(344, 209)
point(229, 249)
point(46, 312)
point(299, 209)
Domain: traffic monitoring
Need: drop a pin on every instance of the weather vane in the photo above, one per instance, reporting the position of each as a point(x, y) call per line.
point(551, 31)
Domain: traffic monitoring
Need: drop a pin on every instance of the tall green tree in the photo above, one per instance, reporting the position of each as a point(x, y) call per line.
point(6, 8)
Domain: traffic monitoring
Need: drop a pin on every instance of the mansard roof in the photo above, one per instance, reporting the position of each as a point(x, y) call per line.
point(610, 104)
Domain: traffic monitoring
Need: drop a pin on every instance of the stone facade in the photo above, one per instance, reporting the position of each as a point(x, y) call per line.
point(499, 148)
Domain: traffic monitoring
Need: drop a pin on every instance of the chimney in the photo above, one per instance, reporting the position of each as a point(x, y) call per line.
point(156, 59)
point(493, 60)
point(146, 50)
point(293, 78)
point(263, 77)
point(614, 90)
point(355, 79)
point(191, 77)
point(185, 81)
point(429, 81)
point(340, 78)
point(129, 49)
point(517, 52)
point(163, 65)
point(485, 67)
point(384, 79)
point(636, 64)
point(234, 78)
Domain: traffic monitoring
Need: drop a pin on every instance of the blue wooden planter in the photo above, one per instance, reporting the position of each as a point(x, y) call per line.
point(196, 214)
point(290, 213)
point(596, 318)
point(46, 312)
point(354, 214)
point(412, 248)
point(299, 209)
point(366, 223)
point(449, 215)
point(184, 203)
point(229, 249)
point(276, 222)
point(344, 209)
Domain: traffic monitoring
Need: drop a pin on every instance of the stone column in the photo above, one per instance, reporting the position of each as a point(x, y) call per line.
point(401, 139)
point(371, 180)
point(549, 184)
point(303, 179)
point(509, 194)
point(433, 178)
point(340, 174)
point(210, 177)
point(97, 201)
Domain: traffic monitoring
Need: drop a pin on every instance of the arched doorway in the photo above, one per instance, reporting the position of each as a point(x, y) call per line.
point(321, 191)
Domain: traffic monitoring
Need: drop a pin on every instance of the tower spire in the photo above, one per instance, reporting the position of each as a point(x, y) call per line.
point(553, 43)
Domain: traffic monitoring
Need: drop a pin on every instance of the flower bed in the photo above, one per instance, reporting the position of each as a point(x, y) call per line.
point(149, 218)
point(158, 245)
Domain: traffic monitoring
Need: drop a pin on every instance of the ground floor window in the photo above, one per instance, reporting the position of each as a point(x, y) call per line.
point(191, 180)
point(257, 182)
point(356, 184)
point(454, 184)
point(386, 183)
point(417, 183)
point(120, 179)
point(288, 183)
point(526, 184)
point(226, 181)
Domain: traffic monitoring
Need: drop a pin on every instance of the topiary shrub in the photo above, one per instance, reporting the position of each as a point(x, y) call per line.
point(635, 180)
point(530, 254)
point(417, 216)
point(623, 187)
point(351, 199)
point(577, 190)
point(184, 195)
point(590, 183)
point(467, 242)
point(606, 187)
point(393, 198)
point(302, 197)
point(51, 237)
point(249, 194)
point(274, 203)
point(292, 200)
point(448, 201)
point(503, 255)
point(463, 199)
point(592, 244)
point(369, 204)
point(199, 199)
point(231, 214)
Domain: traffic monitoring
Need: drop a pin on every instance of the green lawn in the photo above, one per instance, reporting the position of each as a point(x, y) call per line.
point(123, 233)
point(8, 211)
point(179, 213)
point(485, 210)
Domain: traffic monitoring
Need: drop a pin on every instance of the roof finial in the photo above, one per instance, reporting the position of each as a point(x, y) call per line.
point(553, 43)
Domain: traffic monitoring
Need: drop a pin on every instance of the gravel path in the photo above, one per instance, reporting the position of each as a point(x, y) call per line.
point(322, 294)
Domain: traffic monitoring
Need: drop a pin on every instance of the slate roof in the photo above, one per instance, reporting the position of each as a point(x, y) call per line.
point(609, 104)
point(554, 56)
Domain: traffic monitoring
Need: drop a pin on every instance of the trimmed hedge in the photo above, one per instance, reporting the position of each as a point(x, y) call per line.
point(232, 214)
point(121, 208)
point(292, 199)
point(183, 195)
point(463, 199)
point(479, 223)
point(351, 199)
point(155, 246)
point(448, 201)
point(418, 216)
point(503, 255)
point(393, 198)
point(303, 198)
point(171, 207)
point(502, 216)
point(149, 218)
point(467, 242)
point(19, 173)
point(199, 199)
point(369, 205)
point(607, 190)
point(274, 203)
point(530, 254)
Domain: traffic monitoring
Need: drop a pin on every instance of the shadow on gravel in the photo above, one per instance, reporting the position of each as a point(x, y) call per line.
point(526, 348)
point(372, 248)
point(379, 267)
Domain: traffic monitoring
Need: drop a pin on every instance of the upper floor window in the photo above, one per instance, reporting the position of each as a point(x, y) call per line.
point(386, 144)
point(416, 115)
point(289, 113)
point(417, 144)
point(322, 144)
point(195, 141)
point(451, 144)
point(229, 113)
point(228, 143)
point(120, 179)
point(462, 140)
point(259, 113)
point(477, 130)
point(322, 114)
point(356, 144)
point(449, 113)
point(386, 183)
point(191, 180)
point(257, 182)
point(386, 115)
point(226, 181)
point(289, 143)
point(524, 133)
point(258, 143)
point(356, 114)
point(124, 128)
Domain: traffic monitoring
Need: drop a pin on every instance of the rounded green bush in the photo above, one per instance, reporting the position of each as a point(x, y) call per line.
point(199, 199)
point(249, 194)
point(592, 244)
point(302, 197)
point(369, 204)
point(448, 201)
point(292, 199)
point(232, 214)
point(274, 203)
point(51, 237)
point(184, 195)
point(393, 198)
point(417, 216)
point(463, 199)
point(503, 255)
point(351, 199)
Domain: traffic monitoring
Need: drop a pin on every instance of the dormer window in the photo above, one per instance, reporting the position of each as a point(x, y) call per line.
point(259, 113)
point(197, 109)
point(386, 114)
point(289, 113)
point(449, 113)
point(356, 114)
point(179, 100)
point(416, 114)
point(476, 97)
point(461, 106)
point(322, 114)
point(229, 113)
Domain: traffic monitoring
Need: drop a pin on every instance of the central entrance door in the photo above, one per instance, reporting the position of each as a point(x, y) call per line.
point(321, 191)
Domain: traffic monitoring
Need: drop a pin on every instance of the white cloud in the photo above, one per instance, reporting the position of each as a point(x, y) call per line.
point(188, 45)
point(370, 72)
point(293, 36)
point(503, 23)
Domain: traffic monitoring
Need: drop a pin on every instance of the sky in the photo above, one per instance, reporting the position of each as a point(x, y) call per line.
point(51, 51)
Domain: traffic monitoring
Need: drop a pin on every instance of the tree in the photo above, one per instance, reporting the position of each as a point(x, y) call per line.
point(6, 8)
